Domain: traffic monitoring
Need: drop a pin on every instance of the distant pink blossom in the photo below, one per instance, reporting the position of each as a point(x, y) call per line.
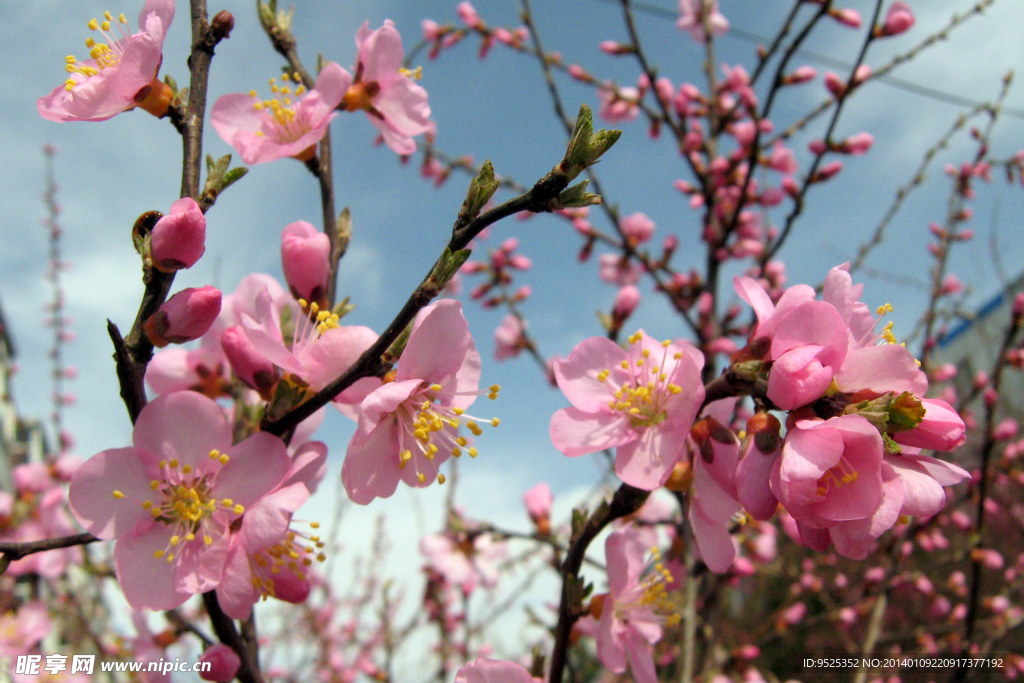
point(509, 338)
point(641, 401)
point(465, 560)
point(22, 630)
point(170, 499)
point(224, 663)
point(692, 19)
point(393, 101)
point(288, 124)
point(637, 228)
point(119, 72)
point(538, 501)
point(484, 670)
point(410, 426)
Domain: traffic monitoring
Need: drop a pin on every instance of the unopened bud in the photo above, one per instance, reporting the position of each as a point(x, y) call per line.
point(185, 316)
point(221, 25)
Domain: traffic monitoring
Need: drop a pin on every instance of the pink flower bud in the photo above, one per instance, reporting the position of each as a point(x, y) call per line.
point(179, 238)
point(898, 19)
point(305, 257)
point(951, 284)
point(185, 316)
point(468, 14)
point(224, 663)
point(1005, 430)
point(827, 171)
point(857, 144)
point(847, 17)
point(801, 74)
point(834, 84)
point(251, 366)
point(538, 502)
point(626, 302)
point(637, 228)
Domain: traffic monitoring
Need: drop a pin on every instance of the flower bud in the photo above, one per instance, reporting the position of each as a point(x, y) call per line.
point(224, 663)
point(179, 238)
point(185, 316)
point(637, 228)
point(898, 19)
point(538, 502)
point(305, 257)
point(222, 24)
point(249, 365)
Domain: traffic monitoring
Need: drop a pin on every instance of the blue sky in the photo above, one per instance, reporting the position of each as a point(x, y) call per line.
point(494, 109)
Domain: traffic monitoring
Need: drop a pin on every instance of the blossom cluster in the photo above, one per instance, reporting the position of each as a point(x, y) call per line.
point(849, 466)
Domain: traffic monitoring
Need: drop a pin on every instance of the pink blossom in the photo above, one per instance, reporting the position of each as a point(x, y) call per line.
point(185, 316)
point(305, 256)
point(484, 670)
point(410, 426)
point(171, 498)
point(634, 610)
point(393, 101)
point(23, 629)
point(713, 497)
point(318, 350)
point(287, 125)
point(830, 471)
point(618, 104)
point(898, 19)
point(176, 369)
point(120, 73)
point(637, 228)
point(224, 663)
point(641, 401)
point(617, 270)
point(268, 557)
point(509, 337)
point(464, 559)
point(692, 19)
point(179, 238)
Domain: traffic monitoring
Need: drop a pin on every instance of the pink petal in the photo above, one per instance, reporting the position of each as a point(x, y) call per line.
point(438, 343)
point(91, 494)
point(647, 462)
point(641, 658)
point(147, 582)
point(371, 469)
point(575, 432)
point(577, 374)
point(236, 593)
point(256, 467)
point(888, 367)
point(267, 522)
point(183, 425)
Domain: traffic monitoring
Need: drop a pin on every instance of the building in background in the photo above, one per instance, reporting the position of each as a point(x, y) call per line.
point(21, 439)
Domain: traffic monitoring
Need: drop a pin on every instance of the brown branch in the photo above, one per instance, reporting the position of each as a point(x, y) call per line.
point(626, 501)
point(224, 627)
point(540, 198)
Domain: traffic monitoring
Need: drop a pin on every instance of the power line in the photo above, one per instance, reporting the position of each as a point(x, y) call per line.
point(899, 83)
